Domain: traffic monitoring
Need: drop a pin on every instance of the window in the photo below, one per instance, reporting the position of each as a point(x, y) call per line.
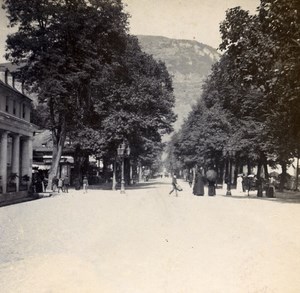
point(14, 108)
point(24, 111)
point(7, 105)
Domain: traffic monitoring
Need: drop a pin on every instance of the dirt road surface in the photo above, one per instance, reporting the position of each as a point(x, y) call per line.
point(148, 241)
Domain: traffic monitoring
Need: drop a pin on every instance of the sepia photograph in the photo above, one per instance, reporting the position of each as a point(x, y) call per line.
point(149, 146)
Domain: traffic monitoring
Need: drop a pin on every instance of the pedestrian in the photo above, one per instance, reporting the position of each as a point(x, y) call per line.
point(54, 183)
point(271, 189)
point(66, 184)
point(198, 188)
point(211, 177)
point(175, 186)
point(85, 184)
point(244, 182)
point(60, 185)
point(190, 179)
point(211, 187)
point(239, 184)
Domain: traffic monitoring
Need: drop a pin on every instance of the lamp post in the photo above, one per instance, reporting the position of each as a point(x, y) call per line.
point(123, 150)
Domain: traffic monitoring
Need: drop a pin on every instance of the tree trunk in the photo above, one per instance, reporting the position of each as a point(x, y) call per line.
point(283, 177)
point(131, 173)
point(248, 168)
point(114, 179)
point(104, 172)
point(258, 174)
point(266, 170)
point(259, 184)
point(140, 172)
point(297, 175)
point(58, 145)
point(80, 166)
point(221, 173)
point(265, 166)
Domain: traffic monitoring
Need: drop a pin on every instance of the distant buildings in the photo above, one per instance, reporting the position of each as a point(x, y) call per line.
point(16, 133)
point(42, 155)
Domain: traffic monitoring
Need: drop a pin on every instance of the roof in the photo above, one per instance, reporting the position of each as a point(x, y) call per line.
point(11, 68)
point(41, 139)
point(42, 143)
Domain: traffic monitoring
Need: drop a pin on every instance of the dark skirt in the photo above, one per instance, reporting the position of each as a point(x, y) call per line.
point(198, 188)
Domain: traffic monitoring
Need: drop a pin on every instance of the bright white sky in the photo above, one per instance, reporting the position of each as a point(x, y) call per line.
point(179, 19)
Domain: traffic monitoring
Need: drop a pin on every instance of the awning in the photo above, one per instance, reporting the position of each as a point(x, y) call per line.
point(41, 167)
point(63, 159)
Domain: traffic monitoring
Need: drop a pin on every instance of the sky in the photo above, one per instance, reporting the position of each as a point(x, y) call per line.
point(183, 19)
point(180, 19)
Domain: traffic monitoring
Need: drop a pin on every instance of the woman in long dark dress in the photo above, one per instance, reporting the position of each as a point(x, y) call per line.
point(211, 177)
point(198, 188)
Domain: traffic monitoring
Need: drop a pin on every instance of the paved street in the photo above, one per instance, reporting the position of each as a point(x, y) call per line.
point(149, 241)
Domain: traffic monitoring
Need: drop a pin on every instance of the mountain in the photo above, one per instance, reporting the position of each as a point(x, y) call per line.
point(189, 63)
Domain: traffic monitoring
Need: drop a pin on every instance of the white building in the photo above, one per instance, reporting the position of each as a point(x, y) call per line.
point(16, 133)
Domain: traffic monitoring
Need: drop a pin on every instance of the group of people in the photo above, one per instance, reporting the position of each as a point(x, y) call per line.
point(199, 183)
point(251, 182)
point(243, 184)
point(201, 180)
point(61, 184)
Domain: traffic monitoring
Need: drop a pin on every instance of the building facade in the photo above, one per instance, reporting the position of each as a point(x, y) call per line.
point(16, 135)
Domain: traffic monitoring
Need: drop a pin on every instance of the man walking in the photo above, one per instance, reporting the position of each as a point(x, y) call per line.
point(174, 185)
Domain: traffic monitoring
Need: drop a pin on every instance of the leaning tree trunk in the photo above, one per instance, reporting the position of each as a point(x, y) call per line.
point(58, 145)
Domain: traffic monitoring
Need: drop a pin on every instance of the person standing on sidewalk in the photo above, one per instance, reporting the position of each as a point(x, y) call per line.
point(54, 183)
point(66, 184)
point(239, 184)
point(85, 184)
point(60, 185)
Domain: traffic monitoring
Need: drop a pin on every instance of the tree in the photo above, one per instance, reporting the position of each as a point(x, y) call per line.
point(135, 105)
point(283, 20)
point(60, 46)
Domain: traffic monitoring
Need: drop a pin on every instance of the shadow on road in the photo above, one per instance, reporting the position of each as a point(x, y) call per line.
point(17, 201)
point(107, 186)
point(142, 185)
point(280, 199)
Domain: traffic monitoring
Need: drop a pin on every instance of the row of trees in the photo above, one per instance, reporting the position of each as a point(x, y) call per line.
point(250, 102)
point(94, 83)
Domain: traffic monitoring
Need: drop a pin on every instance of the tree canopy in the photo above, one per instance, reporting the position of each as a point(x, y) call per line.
point(93, 81)
point(250, 101)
